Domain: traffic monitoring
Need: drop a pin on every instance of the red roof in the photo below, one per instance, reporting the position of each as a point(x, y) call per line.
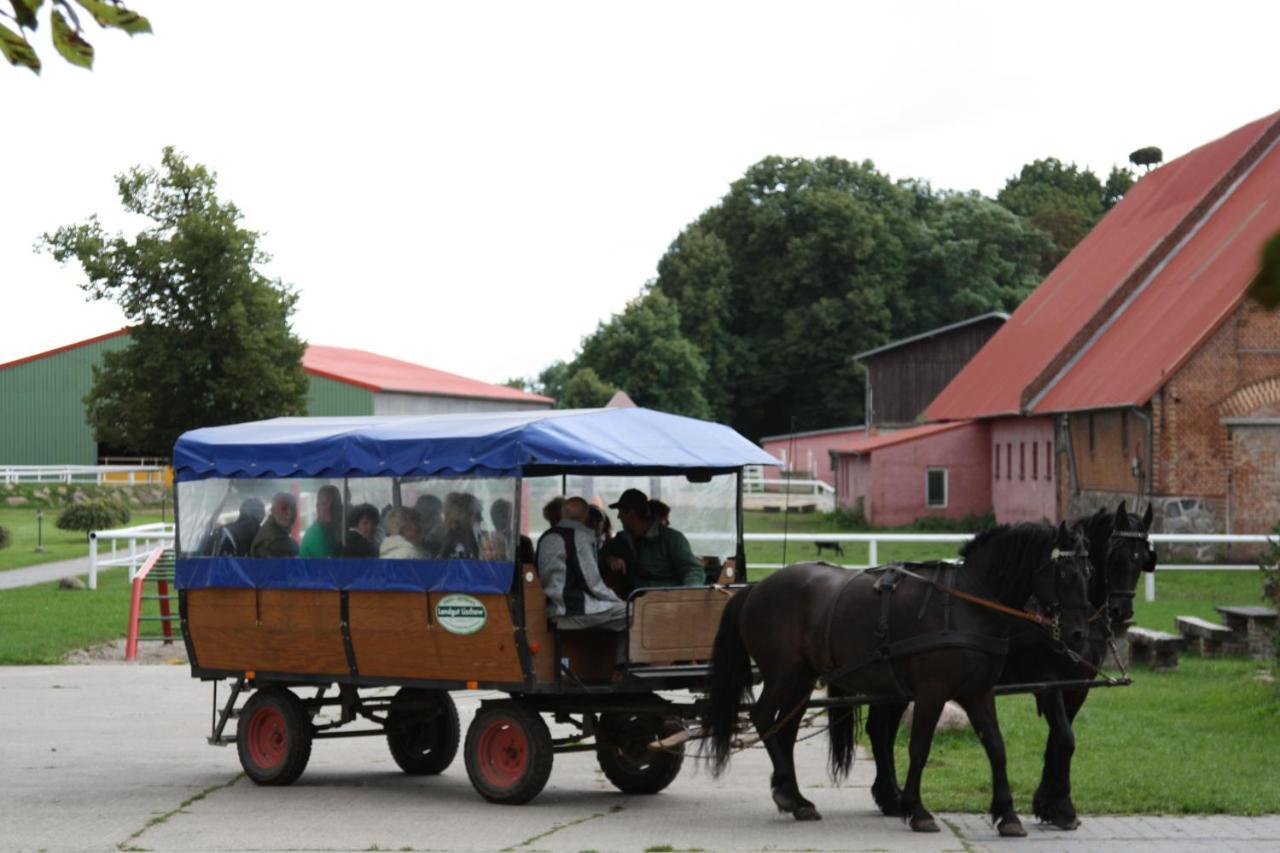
point(888, 439)
point(1137, 294)
point(380, 373)
point(364, 369)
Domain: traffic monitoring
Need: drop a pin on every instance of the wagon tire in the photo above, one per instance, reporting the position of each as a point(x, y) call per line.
point(627, 760)
point(273, 737)
point(423, 740)
point(508, 754)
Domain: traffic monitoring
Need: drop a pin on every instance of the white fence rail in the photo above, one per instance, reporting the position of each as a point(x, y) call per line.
point(130, 474)
point(873, 540)
point(141, 540)
point(762, 492)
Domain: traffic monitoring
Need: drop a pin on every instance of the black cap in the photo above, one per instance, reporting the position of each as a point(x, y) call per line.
point(632, 499)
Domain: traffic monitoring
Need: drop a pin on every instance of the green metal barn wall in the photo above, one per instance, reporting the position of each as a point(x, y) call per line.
point(42, 406)
point(42, 418)
point(327, 397)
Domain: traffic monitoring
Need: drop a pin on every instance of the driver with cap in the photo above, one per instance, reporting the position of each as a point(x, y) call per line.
point(648, 552)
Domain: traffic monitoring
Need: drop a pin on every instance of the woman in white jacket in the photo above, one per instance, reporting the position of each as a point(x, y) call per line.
point(402, 536)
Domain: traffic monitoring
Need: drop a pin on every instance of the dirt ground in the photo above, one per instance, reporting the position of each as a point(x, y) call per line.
point(148, 653)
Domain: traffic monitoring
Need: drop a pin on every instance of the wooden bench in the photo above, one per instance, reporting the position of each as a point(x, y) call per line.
point(1157, 649)
point(1253, 629)
point(1208, 639)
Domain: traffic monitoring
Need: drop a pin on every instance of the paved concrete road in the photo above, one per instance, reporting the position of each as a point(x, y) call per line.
point(113, 757)
point(44, 573)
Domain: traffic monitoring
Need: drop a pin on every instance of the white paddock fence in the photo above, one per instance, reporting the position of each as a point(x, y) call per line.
point(762, 493)
point(873, 540)
point(139, 542)
point(99, 474)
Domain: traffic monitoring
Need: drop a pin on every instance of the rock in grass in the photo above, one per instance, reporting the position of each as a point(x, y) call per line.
point(71, 583)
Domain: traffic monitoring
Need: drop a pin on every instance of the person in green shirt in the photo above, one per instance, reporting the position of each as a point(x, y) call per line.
point(647, 552)
point(324, 537)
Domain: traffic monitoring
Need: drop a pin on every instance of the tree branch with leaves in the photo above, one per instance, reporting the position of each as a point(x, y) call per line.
point(65, 29)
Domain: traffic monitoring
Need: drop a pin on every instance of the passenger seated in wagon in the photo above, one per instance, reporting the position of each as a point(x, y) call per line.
point(576, 595)
point(275, 536)
point(324, 537)
point(648, 552)
point(402, 526)
point(362, 532)
point(234, 539)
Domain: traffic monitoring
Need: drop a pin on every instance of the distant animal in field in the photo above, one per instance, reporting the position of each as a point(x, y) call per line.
point(834, 547)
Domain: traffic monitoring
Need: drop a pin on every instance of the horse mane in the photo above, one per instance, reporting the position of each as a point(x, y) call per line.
point(1008, 553)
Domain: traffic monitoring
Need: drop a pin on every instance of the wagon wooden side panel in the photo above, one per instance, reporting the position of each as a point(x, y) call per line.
point(398, 635)
point(268, 630)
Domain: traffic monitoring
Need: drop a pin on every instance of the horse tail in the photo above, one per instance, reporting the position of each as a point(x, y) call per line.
point(729, 679)
point(842, 724)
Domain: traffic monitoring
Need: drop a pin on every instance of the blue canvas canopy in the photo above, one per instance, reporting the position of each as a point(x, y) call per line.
point(496, 444)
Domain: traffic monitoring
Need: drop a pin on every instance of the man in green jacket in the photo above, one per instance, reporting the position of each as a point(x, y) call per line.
point(649, 553)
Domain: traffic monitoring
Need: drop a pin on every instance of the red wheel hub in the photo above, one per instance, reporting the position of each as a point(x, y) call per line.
point(268, 737)
point(503, 753)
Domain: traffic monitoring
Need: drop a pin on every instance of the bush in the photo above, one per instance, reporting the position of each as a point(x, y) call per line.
point(4, 538)
point(971, 523)
point(843, 518)
point(93, 515)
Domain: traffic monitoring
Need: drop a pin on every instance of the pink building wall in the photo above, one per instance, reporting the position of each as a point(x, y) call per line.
point(893, 479)
point(815, 449)
point(1028, 492)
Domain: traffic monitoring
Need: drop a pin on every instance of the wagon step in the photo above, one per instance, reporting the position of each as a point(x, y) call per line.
point(159, 598)
point(142, 617)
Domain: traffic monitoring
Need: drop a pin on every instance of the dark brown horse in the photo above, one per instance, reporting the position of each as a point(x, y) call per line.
point(892, 632)
point(1120, 552)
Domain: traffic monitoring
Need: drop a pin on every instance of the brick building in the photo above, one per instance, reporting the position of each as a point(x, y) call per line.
point(1138, 368)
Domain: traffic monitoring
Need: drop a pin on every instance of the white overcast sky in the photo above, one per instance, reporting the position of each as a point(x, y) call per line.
point(474, 186)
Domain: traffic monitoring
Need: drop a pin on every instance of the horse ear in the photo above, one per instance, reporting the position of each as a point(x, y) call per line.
point(1122, 517)
point(1064, 534)
point(1146, 518)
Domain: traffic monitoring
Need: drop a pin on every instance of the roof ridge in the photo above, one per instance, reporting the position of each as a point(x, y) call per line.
point(1150, 266)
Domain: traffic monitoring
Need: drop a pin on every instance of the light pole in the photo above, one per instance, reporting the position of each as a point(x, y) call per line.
point(39, 531)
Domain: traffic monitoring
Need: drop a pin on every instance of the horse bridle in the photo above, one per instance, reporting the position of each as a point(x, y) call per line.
point(1054, 609)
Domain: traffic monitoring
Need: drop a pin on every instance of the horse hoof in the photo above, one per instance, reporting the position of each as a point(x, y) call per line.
point(1066, 823)
point(807, 813)
point(924, 824)
point(1012, 829)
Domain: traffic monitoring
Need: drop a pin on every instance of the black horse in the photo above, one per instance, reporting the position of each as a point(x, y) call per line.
point(1120, 551)
point(912, 631)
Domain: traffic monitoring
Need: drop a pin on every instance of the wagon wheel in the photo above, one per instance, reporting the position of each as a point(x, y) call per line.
point(423, 730)
point(273, 737)
point(625, 756)
point(508, 753)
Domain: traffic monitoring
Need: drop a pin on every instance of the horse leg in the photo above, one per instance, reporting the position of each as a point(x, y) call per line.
point(784, 701)
point(982, 714)
point(928, 707)
point(1052, 800)
point(882, 730)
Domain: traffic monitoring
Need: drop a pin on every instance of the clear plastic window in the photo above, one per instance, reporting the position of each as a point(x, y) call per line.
point(392, 518)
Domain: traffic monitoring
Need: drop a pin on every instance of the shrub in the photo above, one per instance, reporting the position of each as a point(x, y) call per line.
point(843, 518)
point(93, 515)
point(4, 538)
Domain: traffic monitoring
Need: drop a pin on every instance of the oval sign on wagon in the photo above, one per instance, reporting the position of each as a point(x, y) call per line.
point(461, 614)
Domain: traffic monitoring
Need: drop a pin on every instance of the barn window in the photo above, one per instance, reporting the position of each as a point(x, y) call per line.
point(1022, 460)
point(1008, 460)
point(935, 487)
point(1035, 460)
point(1091, 432)
point(1124, 432)
point(997, 462)
point(1048, 460)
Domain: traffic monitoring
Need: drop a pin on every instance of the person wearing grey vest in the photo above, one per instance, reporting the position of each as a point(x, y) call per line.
point(576, 595)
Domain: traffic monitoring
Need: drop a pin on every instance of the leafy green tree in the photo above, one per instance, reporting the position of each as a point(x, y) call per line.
point(1062, 200)
point(586, 390)
point(64, 27)
point(210, 341)
point(1119, 182)
point(551, 381)
point(980, 258)
point(643, 352)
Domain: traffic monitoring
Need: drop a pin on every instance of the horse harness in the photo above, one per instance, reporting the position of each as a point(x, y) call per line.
point(888, 649)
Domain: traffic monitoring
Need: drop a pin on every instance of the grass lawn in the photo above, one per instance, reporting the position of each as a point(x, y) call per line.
point(855, 553)
point(40, 624)
point(59, 544)
point(1201, 740)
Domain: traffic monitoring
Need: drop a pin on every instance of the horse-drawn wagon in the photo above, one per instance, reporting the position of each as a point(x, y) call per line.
point(348, 630)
